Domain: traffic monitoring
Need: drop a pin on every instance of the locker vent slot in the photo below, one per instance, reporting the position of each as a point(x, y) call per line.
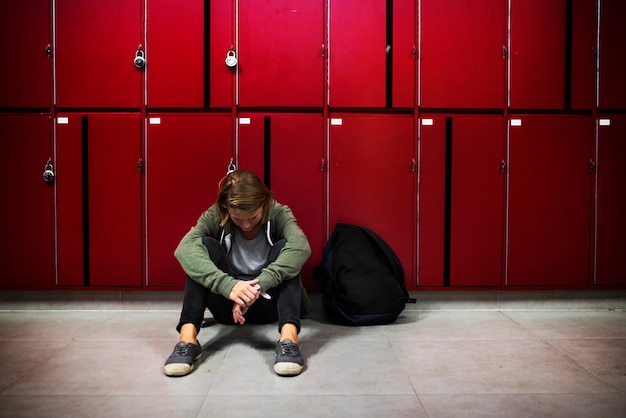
point(447, 223)
point(267, 141)
point(85, 187)
point(389, 61)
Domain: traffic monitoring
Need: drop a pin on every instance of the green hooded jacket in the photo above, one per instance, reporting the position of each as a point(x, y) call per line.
point(193, 256)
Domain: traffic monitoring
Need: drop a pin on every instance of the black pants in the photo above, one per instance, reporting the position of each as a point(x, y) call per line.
point(284, 306)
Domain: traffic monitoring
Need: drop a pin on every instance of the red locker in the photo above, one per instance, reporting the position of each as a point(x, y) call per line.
point(26, 260)
point(97, 42)
point(280, 53)
point(187, 155)
point(462, 57)
point(537, 55)
point(100, 211)
point(292, 145)
point(24, 38)
point(431, 198)
point(477, 200)
point(611, 201)
point(583, 76)
point(358, 53)
point(115, 251)
point(372, 172)
point(612, 58)
point(549, 201)
point(176, 49)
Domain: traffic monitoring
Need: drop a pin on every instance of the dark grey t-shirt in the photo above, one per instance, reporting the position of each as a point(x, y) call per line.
point(248, 256)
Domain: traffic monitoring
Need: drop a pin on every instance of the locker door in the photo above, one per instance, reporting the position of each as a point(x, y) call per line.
point(358, 53)
point(187, 156)
point(431, 198)
point(176, 49)
point(584, 28)
point(477, 200)
point(115, 252)
point(372, 180)
point(280, 60)
point(24, 35)
point(96, 46)
point(611, 201)
point(549, 201)
point(461, 56)
point(537, 54)
point(612, 58)
point(287, 151)
point(26, 260)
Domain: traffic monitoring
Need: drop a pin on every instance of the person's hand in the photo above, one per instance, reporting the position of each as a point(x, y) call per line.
point(244, 294)
point(238, 314)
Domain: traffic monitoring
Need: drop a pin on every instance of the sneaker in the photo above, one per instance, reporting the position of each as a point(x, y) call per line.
point(289, 361)
point(180, 362)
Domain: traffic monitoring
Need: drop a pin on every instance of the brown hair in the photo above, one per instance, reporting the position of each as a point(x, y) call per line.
point(244, 191)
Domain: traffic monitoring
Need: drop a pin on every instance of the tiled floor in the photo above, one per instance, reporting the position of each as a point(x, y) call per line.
point(430, 363)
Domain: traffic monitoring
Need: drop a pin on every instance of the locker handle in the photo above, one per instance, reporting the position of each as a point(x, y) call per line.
point(504, 52)
point(413, 165)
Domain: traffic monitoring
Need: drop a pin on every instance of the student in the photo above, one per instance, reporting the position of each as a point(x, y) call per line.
point(243, 261)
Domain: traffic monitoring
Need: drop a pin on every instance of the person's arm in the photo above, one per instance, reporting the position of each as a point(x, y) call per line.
point(293, 255)
point(194, 258)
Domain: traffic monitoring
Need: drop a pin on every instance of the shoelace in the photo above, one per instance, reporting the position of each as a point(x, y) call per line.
point(181, 350)
point(288, 349)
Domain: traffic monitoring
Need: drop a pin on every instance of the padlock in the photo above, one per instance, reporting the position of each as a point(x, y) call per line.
point(140, 58)
point(48, 173)
point(231, 58)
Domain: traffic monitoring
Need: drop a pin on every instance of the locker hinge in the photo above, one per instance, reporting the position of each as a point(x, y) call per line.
point(592, 166)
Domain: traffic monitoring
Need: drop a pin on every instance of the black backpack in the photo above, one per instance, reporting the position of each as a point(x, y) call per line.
point(362, 278)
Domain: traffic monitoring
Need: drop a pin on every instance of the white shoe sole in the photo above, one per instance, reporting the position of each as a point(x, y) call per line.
point(177, 369)
point(287, 369)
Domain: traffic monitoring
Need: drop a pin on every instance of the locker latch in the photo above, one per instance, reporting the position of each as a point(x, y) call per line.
point(592, 166)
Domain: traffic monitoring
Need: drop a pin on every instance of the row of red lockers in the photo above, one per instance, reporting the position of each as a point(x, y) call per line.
point(464, 200)
point(519, 54)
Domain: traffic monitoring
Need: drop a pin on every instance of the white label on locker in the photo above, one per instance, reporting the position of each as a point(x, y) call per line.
point(64, 120)
point(516, 122)
point(244, 121)
point(605, 122)
point(427, 122)
point(336, 121)
point(155, 121)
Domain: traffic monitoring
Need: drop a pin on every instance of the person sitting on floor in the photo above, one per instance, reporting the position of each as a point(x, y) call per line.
point(242, 260)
